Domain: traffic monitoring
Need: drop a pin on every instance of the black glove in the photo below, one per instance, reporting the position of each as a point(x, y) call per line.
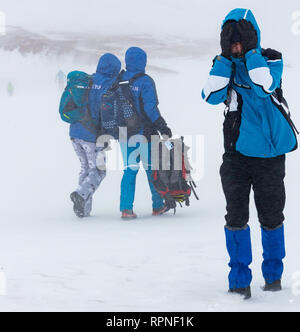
point(166, 131)
point(248, 35)
point(161, 125)
point(226, 36)
point(271, 54)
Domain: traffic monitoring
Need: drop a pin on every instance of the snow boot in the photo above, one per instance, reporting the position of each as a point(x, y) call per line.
point(79, 204)
point(273, 254)
point(240, 251)
point(244, 292)
point(160, 212)
point(274, 287)
point(128, 215)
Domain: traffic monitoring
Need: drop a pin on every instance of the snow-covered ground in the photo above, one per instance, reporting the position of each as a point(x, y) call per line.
point(54, 262)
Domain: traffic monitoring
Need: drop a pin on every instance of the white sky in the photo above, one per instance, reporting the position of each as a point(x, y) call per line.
point(186, 18)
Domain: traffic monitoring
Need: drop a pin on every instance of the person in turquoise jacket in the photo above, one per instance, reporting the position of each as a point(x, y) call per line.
point(258, 132)
point(264, 131)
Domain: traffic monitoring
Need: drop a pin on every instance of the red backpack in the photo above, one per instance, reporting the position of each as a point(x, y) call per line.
point(173, 179)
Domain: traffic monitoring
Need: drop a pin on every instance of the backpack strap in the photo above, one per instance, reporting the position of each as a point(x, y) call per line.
point(133, 79)
point(87, 121)
point(193, 186)
point(228, 100)
point(137, 76)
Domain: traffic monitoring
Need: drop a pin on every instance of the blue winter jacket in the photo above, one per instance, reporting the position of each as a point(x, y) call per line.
point(107, 72)
point(264, 130)
point(144, 90)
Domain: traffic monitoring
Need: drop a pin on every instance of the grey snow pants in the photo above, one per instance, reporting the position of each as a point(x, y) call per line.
point(90, 176)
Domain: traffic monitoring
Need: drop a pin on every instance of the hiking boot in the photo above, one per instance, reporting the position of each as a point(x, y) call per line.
point(128, 214)
point(274, 287)
point(244, 292)
point(79, 204)
point(160, 212)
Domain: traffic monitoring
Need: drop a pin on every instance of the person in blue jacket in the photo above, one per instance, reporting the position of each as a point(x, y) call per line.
point(146, 102)
point(84, 137)
point(257, 133)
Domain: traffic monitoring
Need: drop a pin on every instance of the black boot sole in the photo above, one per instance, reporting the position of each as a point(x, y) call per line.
point(78, 202)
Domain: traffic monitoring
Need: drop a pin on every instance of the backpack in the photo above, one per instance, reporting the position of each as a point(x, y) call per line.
point(74, 100)
point(173, 179)
point(118, 109)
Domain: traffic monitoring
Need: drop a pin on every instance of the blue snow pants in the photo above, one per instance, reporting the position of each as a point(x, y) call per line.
point(132, 157)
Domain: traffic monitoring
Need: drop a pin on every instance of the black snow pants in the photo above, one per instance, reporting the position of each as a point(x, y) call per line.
point(266, 176)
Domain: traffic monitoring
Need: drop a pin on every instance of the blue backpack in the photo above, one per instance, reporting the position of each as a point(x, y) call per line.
point(118, 109)
point(74, 101)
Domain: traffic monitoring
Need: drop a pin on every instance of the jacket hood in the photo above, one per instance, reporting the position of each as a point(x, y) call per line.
point(107, 73)
point(136, 60)
point(244, 14)
point(109, 65)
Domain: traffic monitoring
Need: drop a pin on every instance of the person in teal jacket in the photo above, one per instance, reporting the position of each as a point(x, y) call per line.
point(258, 132)
point(264, 131)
